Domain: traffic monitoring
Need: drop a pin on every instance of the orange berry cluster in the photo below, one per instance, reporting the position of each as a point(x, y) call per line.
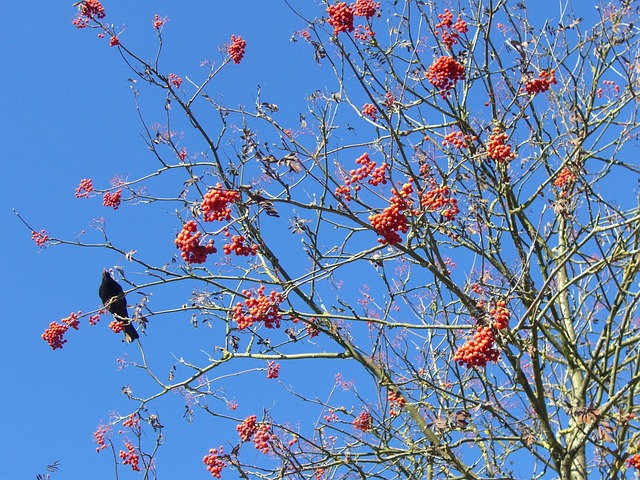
point(365, 8)
point(396, 401)
point(273, 370)
point(443, 73)
point(389, 99)
point(215, 204)
point(85, 188)
point(98, 437)
point(116, 326)
point(40, 238)
point(236, 49)
point(609, 83)
point(458, 140)
point(370, 110)
point(565, 179)
point(477, 351)
point(312, 330)
point(130, 457)
point(114, 41)
point(634, 461)
point(132, 422)
point(497, 149)
point(238, 247)
point(72, 320)
point(542, 83)
point(449, 31)
point(392, 219)
point(500, 314)
point(340, 17)
point(364, 33)
point(363, 422)
point(213, 462)
point(112, 199)
point(54, 335)
point(88, 10)
point(188, 242)
point(247, 428)
point(260, 308)
point(262, 437)
point(367, 168)
point(158, 21)
point(440, 197)
point(175, 80)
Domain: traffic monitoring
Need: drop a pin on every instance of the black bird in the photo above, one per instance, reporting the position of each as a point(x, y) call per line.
point(111, 293)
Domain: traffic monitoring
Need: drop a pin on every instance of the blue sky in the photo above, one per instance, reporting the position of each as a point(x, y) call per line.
point(68, 114)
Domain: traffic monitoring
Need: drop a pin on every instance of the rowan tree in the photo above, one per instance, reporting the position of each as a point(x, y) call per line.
point(451, 229)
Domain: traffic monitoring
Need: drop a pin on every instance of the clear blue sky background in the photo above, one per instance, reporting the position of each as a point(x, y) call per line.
point(67, 114)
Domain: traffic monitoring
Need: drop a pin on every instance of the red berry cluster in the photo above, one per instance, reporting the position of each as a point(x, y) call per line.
point(130, 457)
point(443, 73)
point(478, 350)
point(370, 110)
point(175, 80)
point(364, 33)
point(273, 370)
point(449, 31)
point(500, 314)
point(213, 462)
point(40, 238)
point(236, 49)
point(396, 401)
point(116, 326)
point(88, 10)
point(84, 188)
point(367, 168)
point(112, 200)
point(440, 197)
point(609, 83)
point(54, 335)
point(215, 204)
point(340, 17)
point(238, 247)
point(72, 320)
point(565, 179)
point(378, 175)
point(158, 21)
point(188, 242)
point(497, 149)
point(458, 140)
point(311, 328)
point(365, 8)
point(262, 437)
point(182, 154)
point(634, 461)
point(331, 417)
point(542, 83)
point(392, 219)
point(260, 308)
point(132, 422)
point(247, 428)
point(363, 422)
point(389, 99)
point(98, 437)
point(114, 41)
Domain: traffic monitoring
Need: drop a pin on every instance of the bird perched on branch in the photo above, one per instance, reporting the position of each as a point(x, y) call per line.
point(113, 298)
